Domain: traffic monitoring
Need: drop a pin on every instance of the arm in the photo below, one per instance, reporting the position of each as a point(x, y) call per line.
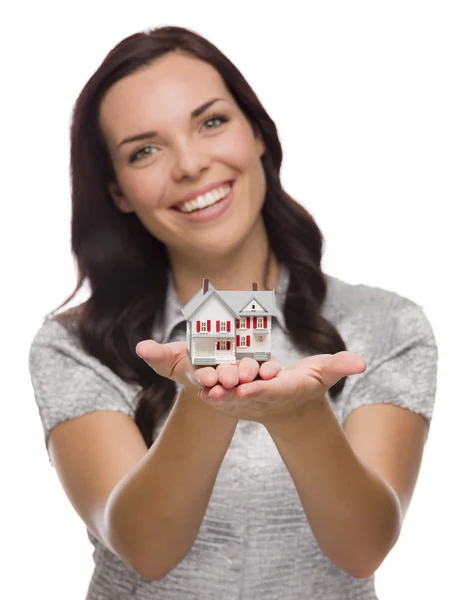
point(156, 510)
point(354, 514)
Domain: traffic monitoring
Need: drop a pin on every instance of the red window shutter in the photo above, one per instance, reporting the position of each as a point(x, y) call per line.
point(228, 325)
point(237, 323)
point(237, 340)
point(217, 325)
point(248, 340)
point(265, 322)
point(228, 345)
point(208, 325)
point(254, 322)
point(248, 322)
point(217, 345)
point(198, 326)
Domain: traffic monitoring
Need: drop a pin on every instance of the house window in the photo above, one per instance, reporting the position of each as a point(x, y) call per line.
point(203, 326)
point(242, 341)
point(253, 307)
point(260, 338)
point(260, 321)
point(222, 325)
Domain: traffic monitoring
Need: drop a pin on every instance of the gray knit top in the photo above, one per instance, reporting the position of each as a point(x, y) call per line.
point(255, 542)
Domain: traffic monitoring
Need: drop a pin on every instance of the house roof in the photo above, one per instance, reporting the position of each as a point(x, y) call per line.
point(235, 301)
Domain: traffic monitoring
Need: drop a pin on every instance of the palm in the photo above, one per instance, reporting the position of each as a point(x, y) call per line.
point(282, 392)
point(300, 379)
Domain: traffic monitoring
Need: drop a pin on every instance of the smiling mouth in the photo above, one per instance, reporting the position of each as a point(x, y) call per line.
point(181, 204)
point(210, 212)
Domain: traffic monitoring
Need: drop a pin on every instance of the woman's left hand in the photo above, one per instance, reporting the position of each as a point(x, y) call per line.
point(281, 393)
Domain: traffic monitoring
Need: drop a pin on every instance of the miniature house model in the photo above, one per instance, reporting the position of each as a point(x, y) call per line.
point(225, 326)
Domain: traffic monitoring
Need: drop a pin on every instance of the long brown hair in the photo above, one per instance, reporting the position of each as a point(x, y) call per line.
point(127, 267)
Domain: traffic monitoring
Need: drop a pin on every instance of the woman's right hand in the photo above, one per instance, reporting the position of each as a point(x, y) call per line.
point(172, 361)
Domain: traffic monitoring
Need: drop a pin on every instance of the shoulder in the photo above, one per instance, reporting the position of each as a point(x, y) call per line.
point(68, 381)
point(58, 356)
point(57, 332)
point(372, 320)
point(350, 297)
point(366, 303)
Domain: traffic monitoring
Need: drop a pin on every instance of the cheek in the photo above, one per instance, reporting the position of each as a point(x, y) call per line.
point(237, 149)
point(246, 160)
point(146, 190)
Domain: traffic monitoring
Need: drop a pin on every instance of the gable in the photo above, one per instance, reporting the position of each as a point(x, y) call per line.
point(253, 307)
point(213, 308)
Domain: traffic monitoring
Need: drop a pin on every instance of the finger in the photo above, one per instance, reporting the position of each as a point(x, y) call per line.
point(270, 368)
point(206, 376)
point(228, 375)
point(248, 369)
point(217, 392)
point(263, 390)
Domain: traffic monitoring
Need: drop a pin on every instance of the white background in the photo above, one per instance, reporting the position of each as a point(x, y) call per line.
point(372, 102)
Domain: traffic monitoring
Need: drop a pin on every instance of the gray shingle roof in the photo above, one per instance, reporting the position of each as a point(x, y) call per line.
point(235, 301)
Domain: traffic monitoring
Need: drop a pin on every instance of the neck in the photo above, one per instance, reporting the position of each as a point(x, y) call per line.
point(253, 261)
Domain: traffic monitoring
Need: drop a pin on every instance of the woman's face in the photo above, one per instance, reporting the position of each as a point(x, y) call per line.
point(183, 153)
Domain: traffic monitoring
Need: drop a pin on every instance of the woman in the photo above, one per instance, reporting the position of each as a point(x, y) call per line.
point(290, 478)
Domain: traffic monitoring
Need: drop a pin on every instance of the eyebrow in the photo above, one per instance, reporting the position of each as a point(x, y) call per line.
point(149, 134)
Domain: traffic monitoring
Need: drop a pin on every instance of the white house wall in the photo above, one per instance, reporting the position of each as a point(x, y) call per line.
point(213, 310)
point(256, 345)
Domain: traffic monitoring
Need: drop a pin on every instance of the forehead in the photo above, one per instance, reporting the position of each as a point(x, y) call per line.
point(167, 91)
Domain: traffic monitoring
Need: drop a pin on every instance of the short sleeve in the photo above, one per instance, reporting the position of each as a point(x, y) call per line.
point(404, 373)
point(67, 382)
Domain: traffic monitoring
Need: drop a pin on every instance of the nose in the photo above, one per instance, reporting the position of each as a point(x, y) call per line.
point(190, 160)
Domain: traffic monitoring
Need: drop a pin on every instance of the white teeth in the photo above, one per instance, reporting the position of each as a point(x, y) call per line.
point(205, 200)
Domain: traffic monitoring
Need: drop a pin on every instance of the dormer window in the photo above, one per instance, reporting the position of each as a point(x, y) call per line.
point(253, 307)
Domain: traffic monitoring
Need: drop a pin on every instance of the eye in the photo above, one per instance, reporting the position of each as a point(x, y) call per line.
point(216, 117)
point(134, 156)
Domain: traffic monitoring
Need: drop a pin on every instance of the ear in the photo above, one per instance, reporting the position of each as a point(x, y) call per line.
point(119, 198)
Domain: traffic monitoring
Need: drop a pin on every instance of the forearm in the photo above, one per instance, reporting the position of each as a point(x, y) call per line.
point(155, 512)
point(353, 513)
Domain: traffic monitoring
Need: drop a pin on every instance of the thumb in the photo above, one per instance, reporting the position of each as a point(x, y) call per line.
point(342, 364)
point(161, 357)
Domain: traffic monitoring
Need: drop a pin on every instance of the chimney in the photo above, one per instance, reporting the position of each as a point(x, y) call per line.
point(254, 286)
point(205, 286)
